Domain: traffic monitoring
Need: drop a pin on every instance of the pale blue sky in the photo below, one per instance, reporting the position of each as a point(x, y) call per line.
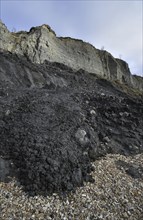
point(116, 25)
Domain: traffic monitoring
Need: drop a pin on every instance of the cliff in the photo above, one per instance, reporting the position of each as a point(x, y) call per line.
point(41, 43)
point(56, 119)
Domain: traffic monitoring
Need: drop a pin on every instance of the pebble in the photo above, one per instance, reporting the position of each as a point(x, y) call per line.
point(92, 112)
point(114, 195)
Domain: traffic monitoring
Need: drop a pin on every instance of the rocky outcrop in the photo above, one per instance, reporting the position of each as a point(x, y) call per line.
point(41, 43)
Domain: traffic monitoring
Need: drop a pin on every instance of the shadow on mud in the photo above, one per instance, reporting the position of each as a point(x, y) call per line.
point(133, 170)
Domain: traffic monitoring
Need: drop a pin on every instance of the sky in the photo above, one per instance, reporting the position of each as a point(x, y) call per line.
point(115, 25)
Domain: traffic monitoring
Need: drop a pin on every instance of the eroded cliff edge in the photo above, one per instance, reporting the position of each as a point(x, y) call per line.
point(41, 43)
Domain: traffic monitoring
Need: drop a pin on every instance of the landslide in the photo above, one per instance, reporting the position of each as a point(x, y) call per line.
point(54, 122)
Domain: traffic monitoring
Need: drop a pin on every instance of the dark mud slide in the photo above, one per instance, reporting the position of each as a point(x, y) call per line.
point(54, 122)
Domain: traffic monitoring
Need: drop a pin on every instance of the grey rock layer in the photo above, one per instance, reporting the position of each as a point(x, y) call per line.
point(41, 43)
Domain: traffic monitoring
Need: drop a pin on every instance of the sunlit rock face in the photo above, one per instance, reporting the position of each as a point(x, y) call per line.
point(41, 43)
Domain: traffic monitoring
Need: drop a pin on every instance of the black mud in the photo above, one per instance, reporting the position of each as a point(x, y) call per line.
point(54, 122)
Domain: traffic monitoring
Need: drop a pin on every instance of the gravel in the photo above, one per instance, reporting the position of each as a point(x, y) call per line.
point(115, 194)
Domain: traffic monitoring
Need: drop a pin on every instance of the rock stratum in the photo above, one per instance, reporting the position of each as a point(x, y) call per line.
point(58, 115)
point(41, 43)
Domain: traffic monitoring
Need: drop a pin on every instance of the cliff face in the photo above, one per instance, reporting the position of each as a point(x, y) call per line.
point(55, 120)
point(41, 43)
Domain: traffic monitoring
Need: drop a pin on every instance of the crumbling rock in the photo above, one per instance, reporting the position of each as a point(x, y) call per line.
point(41, 43)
